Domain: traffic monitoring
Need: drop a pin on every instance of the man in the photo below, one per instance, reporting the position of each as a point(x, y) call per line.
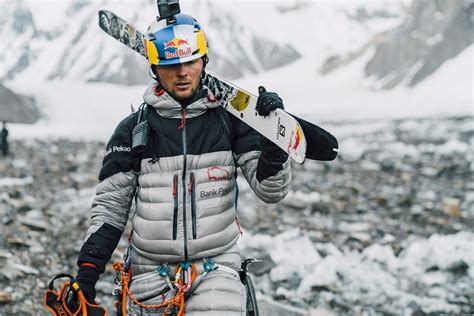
point(3, 140)
point(183, 181)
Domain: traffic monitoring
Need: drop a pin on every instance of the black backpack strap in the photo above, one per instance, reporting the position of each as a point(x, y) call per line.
point(226, 124)
point(229, 130)
point(141, 131)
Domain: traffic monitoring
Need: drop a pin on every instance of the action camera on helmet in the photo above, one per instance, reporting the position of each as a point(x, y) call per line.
point(168, 8)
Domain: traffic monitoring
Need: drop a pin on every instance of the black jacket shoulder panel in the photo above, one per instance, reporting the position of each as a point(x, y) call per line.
point(246, 138)
point(204, 134)
point(118, 155)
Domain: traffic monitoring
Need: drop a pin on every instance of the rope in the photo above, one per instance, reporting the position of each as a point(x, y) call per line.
point(177, 300)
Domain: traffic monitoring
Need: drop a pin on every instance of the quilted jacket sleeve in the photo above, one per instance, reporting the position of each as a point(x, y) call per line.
point(269, 180)
point(114, 195)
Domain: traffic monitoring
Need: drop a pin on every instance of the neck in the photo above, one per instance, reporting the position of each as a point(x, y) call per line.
point(199, 94)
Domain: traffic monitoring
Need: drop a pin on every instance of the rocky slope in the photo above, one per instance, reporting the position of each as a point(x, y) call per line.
point(394, 183)
point(15, 108)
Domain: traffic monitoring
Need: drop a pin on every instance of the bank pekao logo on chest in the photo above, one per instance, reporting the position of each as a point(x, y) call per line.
point(217, 174)
point(115, 149)
point(177, 47)
point(211, 193)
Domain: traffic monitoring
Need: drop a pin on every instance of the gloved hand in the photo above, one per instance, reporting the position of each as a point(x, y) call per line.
point(87, 278)
point(272, 156)
point(266, 103)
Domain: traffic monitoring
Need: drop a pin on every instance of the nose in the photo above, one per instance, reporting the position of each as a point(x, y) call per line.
point(182, 70)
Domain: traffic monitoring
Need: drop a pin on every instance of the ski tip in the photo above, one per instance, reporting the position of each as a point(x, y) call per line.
point(103, 20)
point(298, 159)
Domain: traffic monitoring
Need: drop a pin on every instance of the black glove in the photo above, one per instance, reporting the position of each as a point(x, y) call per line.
point(272, 156)
point(87, 278)
point(267, 102)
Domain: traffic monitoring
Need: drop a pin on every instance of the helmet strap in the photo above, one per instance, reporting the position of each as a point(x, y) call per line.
point(151, 72)
point(205, 59)
point(203, 76)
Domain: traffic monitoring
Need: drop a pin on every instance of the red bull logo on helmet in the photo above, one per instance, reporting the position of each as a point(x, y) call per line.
point(181, 48)
point(176, 43)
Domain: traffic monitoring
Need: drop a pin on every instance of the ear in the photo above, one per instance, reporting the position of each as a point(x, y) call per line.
point(152, 72)
point(205, 59)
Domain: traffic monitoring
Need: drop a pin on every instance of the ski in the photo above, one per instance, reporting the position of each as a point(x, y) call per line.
point(287, 131)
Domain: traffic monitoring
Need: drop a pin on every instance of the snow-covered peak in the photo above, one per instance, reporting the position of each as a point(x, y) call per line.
point(245, 37)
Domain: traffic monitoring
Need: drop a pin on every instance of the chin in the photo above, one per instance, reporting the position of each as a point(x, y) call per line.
point(182, 97)
point(186, 95)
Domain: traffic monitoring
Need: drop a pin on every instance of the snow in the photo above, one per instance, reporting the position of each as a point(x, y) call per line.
point(292, 251)
point(311, 197)
point(352, 149)
point(45, 10)
point(323, 274)
point(92, 110)
point(374, 274)
point(453, 146)
point(317, 30)
point(77, 110)
point(439, 251)
point(5, 181)
point(346, 95)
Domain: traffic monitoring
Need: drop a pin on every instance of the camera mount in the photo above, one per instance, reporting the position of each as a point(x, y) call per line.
point(167, 9)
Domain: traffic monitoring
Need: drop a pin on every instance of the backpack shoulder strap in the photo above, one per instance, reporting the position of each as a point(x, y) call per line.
point(226, 124)
point(229, 130)
point(141, 131)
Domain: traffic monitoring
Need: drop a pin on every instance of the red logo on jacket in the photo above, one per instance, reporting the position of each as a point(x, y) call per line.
point(217, 174)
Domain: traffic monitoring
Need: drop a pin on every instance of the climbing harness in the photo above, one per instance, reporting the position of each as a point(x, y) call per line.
point(56, 302)
point(186, 274)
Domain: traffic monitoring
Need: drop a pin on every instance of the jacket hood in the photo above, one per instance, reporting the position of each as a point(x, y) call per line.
point(168, 107)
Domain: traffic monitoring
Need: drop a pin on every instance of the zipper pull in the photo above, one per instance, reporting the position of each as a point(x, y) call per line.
point(191, 182)
point(175, 185)
point(183, 119)
point(237, 221)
